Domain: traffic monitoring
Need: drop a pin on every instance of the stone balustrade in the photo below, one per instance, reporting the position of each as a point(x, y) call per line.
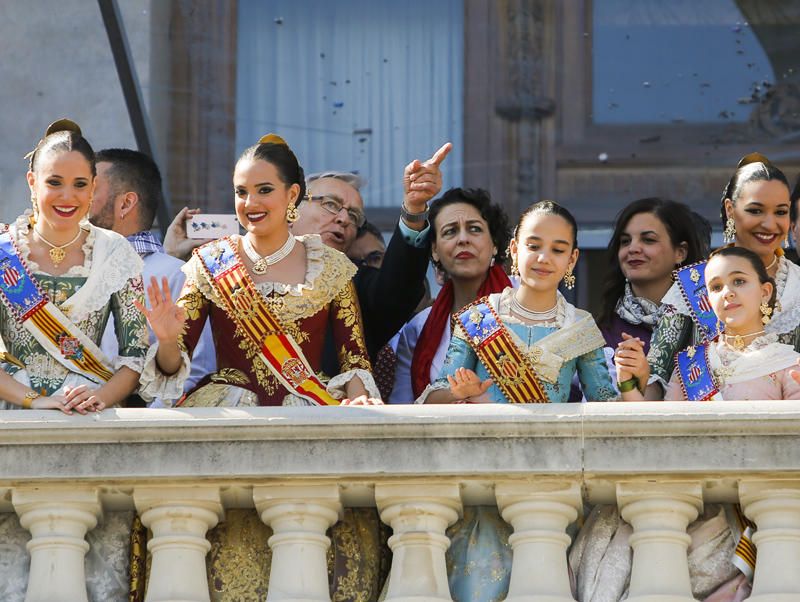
point(420, 465)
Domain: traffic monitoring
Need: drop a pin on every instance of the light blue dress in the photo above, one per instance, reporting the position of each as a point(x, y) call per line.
point(479, 557)
point(590, 365)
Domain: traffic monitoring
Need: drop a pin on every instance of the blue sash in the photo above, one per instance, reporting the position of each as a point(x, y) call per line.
point(695, 375)
point(18, 287)
point(49, 326)
point(692, 284)
point(511, 370)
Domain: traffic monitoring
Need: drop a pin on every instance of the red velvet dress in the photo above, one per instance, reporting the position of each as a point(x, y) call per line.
point(325, 302)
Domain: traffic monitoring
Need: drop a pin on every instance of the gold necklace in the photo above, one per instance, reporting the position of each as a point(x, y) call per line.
point(56, 252)
point(738, 340)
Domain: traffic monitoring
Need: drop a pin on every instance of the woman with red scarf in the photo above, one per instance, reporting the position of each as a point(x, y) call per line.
point(469, 239)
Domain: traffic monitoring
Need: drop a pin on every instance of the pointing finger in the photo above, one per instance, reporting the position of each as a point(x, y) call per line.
point(440, 154)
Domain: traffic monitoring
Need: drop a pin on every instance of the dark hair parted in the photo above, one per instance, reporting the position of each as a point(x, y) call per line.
point(133, 171)
point(755, 261)
point(754, 167)
point(549, 208)
point(281, 156)
point(681, 226)
point(493, 213)
point(63, 135)
point(369, 228)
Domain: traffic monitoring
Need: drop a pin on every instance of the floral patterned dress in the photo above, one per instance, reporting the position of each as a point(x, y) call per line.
point(111, 277)
point(106, 284)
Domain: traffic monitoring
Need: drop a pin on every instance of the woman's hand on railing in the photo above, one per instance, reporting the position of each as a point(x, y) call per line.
point(362, 400)
point(83, 399)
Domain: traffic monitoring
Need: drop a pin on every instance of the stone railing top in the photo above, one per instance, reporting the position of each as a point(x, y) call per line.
point(597, 443)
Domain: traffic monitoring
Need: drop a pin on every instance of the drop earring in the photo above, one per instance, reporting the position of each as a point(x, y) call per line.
point(291, 213)
point(569, 279)
point(766, 313)
point(729, 234)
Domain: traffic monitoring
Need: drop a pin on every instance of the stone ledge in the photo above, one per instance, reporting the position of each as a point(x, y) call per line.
point(596, 444)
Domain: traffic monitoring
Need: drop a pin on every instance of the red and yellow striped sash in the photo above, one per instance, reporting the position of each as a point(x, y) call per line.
point(249, 311)
point(510, 369)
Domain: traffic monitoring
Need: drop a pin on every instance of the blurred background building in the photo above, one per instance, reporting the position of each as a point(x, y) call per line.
point(592, 103)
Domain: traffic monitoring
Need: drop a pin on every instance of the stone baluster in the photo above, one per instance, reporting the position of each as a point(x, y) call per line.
point(58, 520)
point(540, 513)
point(419, 515)
point(179, 518)
point(299, 516)
point(774, 506)
point(659, 514)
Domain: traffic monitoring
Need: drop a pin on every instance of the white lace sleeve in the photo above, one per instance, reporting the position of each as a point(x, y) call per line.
point(337, 386)
point(438, 385)
point(154, 383)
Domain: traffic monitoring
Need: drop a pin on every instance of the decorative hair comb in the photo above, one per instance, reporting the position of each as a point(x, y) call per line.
point(272, 139)
point(753, 158)
point(63, 125)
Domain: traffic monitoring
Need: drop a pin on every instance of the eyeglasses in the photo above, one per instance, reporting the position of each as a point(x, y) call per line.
point(334, 206)
point(373, 259)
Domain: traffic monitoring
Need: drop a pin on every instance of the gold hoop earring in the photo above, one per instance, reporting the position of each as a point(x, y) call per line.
point(291, 213)
point(569, 279)
point(729, 234)
point(766, 313)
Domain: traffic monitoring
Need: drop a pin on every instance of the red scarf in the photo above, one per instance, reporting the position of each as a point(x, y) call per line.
point(431, 335)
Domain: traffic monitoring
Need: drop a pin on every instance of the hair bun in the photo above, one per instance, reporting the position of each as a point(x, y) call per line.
point(63, 125)
point(272, 139)
point(753, 158)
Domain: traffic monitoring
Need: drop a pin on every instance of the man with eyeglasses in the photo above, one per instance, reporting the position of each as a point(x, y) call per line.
point(368, 248)
point(335, 210)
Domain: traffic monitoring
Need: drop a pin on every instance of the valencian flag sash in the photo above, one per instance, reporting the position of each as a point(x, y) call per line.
point(510, 369)
point(744, 555)
point(694, 372)
point(248, 310)
point(57, 335)
point(692, 284)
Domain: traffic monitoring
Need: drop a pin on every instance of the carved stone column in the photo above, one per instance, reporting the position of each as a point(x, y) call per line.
point(775, 508)
point(659, 514)
point(299, 516)
point(419, 515)
point(540, 513)
point(179, 518)
point(58, 520)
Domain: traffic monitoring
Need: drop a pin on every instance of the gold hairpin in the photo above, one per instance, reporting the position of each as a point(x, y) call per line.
point(272, 139)
point(753, 158)
point(63, 125)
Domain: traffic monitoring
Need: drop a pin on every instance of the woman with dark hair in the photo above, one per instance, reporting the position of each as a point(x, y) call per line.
point(651, 238)
point(61, 279)
point(270, 296)
point(755, 210)
point(469, 238)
